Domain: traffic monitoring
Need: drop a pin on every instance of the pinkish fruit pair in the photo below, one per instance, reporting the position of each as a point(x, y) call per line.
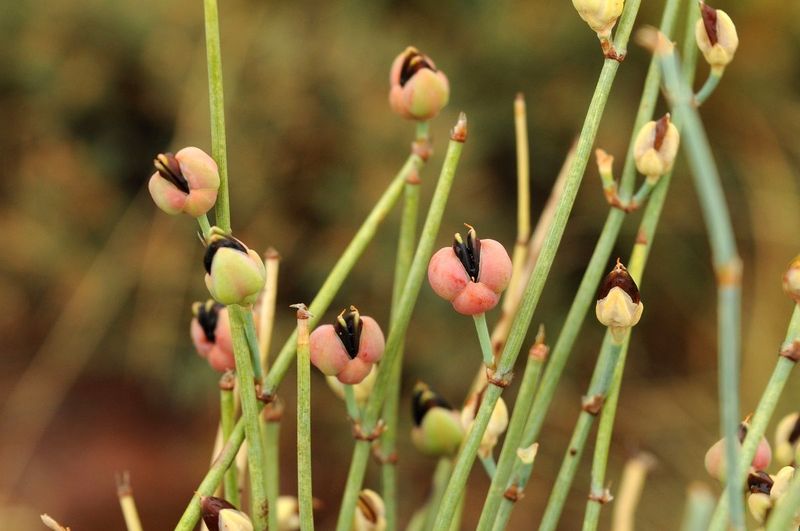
point(211, 335)
point(348, 348)
point(187, 181)
point(471, 274)
point(715, 456)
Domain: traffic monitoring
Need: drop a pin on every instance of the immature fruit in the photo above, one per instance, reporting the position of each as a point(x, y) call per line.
point(471, 274)
point(348, 348)
point(655, 148)
point(601, 15)
point(418, 90)
point(187, 181)
point(715, 456)
point(234, 273)
point(211, 334)
point(716, 36)
point(437, 428)
point(618, 306)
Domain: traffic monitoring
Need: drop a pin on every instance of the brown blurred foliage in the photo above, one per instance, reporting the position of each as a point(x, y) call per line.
point(97, 283)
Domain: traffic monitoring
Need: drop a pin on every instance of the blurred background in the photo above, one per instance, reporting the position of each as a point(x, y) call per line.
point(97, 373)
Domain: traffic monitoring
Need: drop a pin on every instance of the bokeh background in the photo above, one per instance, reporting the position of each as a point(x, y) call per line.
point(97, 374)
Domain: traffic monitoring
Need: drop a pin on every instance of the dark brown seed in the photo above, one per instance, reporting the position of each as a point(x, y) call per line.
point(413, 63)
point(348, 327)
point(759, 481)
point(709, 15)
point(662, 126)
point(210, 507)
point(619, 278)
point(423, 400)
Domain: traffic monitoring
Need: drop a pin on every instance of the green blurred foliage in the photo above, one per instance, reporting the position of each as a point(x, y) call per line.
point(91, 91)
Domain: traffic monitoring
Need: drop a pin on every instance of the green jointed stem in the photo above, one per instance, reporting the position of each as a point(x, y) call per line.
point(340, 271)
point(699, 504)
point(484, 339)
point(216, 101)
point(250, 411)
point(536, 283)
point(271, 432)
point(440, 477)
point(304, 498)
point(416, 274)
point(205, 226)
point(709, 87)
point(603, 445)
point(762, 415)
point(522, 407)
point(783, 515)
point(726, 264)
point(522, 467)
point(350, 402)
point(228, 421)
point(405, 253)
point(489, 465)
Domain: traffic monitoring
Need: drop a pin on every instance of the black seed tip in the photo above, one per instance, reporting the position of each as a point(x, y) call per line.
point(619, 278)
point(469, 252)
point(709, 15)
point(423, 400)
point(210, 507)
point(662, 126)
point(216, 245)
point(759, 481)
point(413, 63)
point(794, 435)
point(207, 316)
point(168, 168)
point(348, 327)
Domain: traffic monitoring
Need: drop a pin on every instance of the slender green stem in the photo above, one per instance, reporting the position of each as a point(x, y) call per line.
point(763, 414)
point(726, 264)
point(523, 467)
point(405, 253)
point(522, 407)
point(271, 430)
point(250, 409)
point(598, 389)
point(440, 477)
point(489, 465)
point(350, 401)
point(252, 343)
point(395, 340)
point(603, 445)
point(484, 339)
point(216, 101)
point(228, 421)
point(784, 514)
point(340, 271)
point(205, 226)
point(709, 87)
point(212, 479)
point(523, 199)
point(304, 498)
point(699, 504)
point(642, 193)
point(540, 273)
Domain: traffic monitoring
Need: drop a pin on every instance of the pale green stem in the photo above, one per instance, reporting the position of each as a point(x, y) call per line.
point(603, 445)
point(416, 275)
point(523, 199)
point(350, 402)
point(699, 504)
point(228, 421)
point(642, 193)
point(205, 226)
point(760, 419)
point(319, 305)
point(536, 283)
point(252, 343)
point(340, 271)
point(250, 408)
point(518, 480)
point(709, 87)
point(212, 479)
point(489, 465)
point(484, 339)
point(786, 508)
point(216, 101)
point(304, 497)
point(598, 388)
point(405, 253)
point(440, 477)
point(522, 407)
point(727, 266)
point(271, 430)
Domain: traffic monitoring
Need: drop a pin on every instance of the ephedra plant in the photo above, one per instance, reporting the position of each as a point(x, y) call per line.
point(362, 358)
